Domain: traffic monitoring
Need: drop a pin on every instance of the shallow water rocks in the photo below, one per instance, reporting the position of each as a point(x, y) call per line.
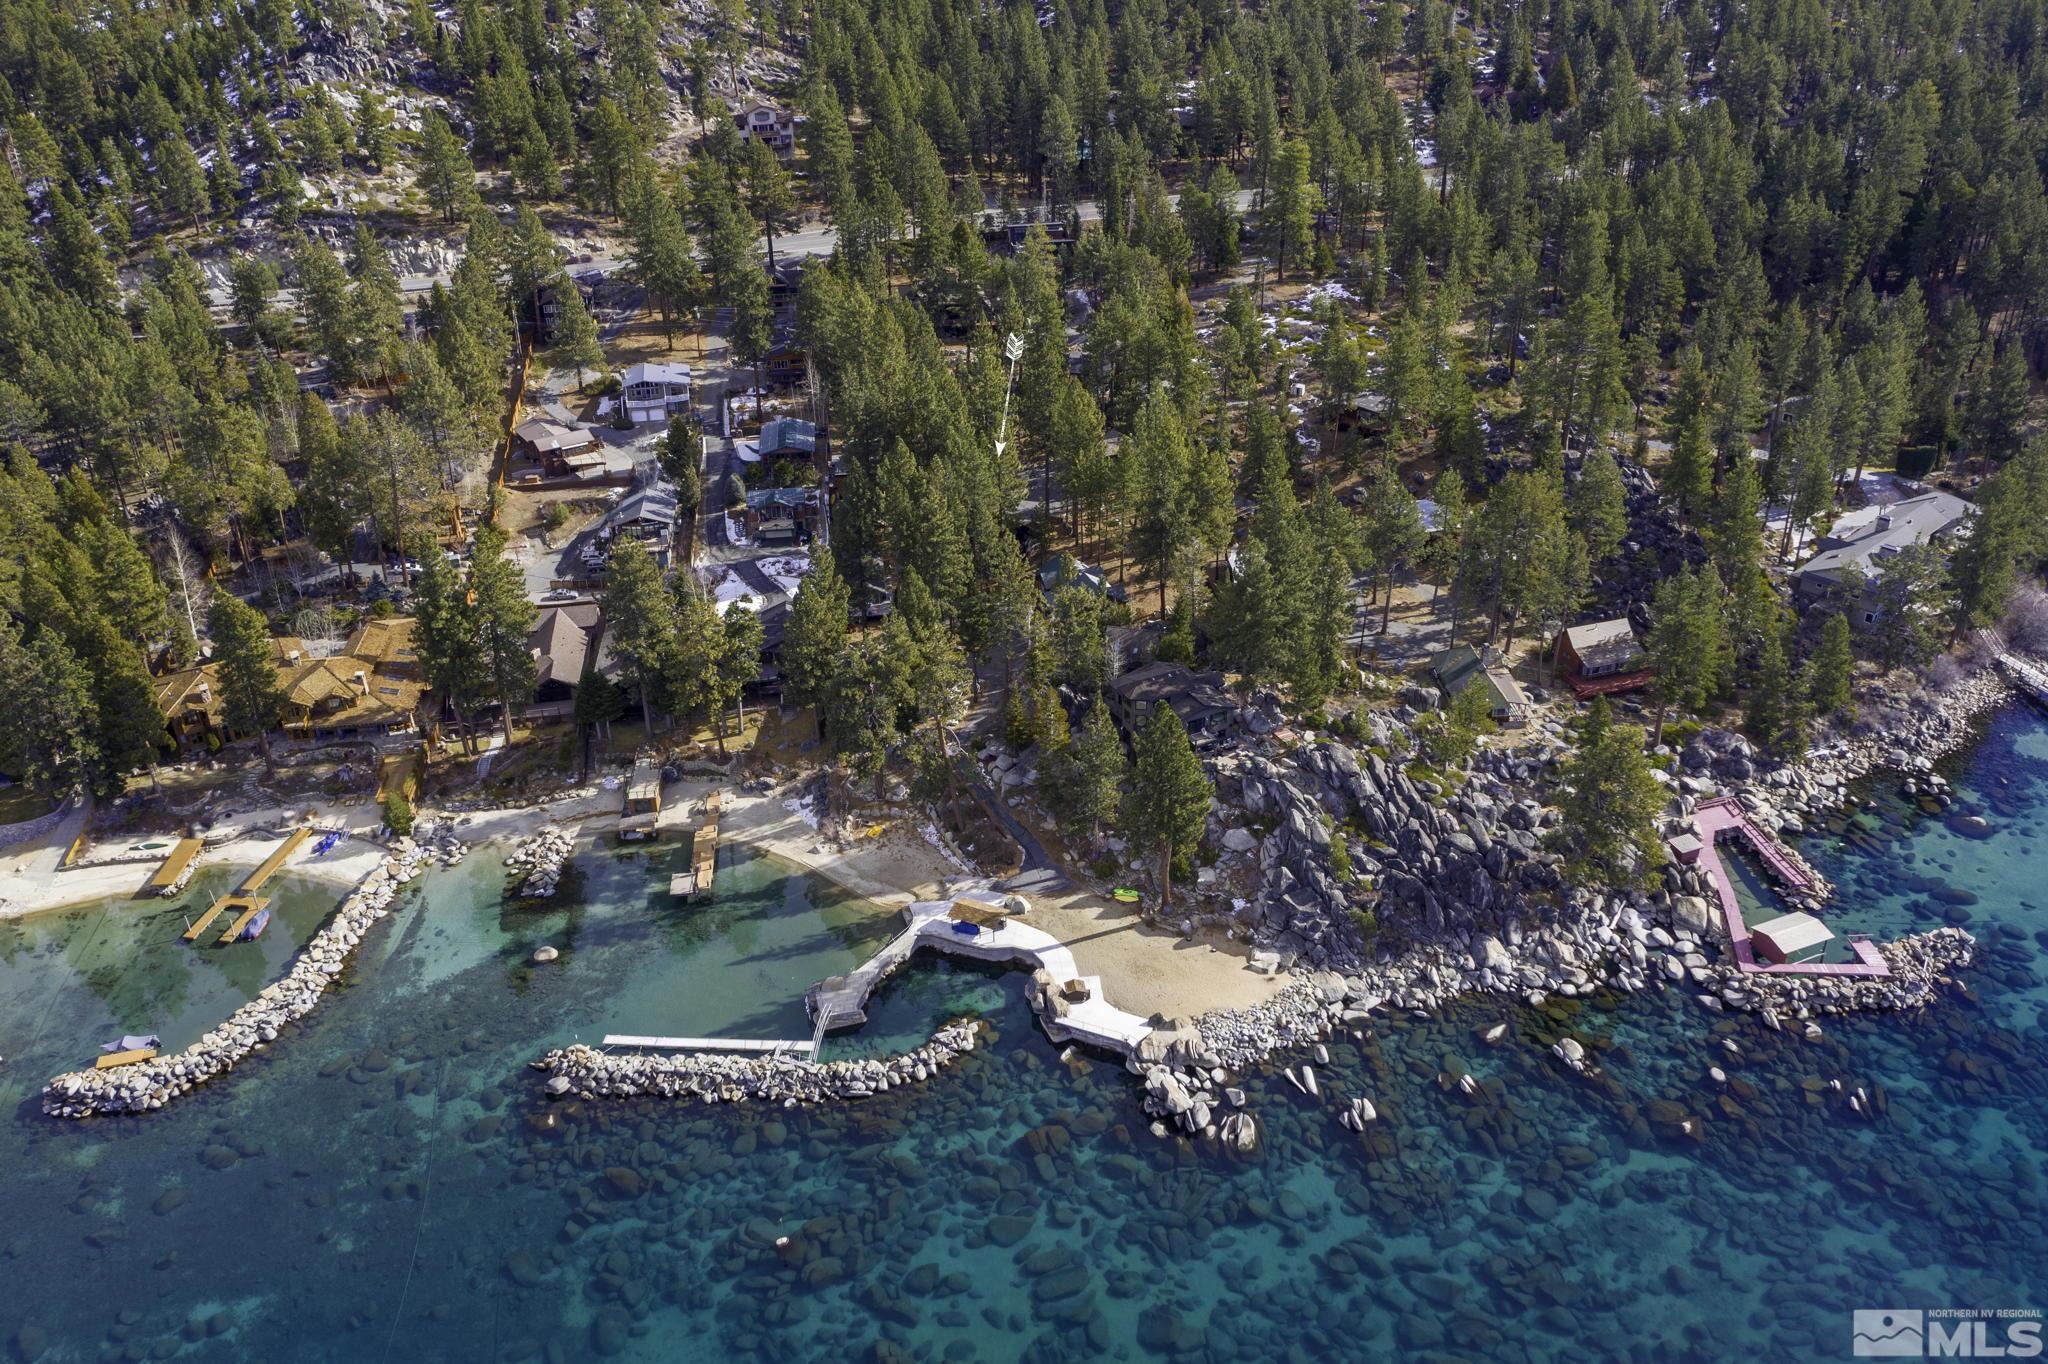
point(151, 1084)
point(538, 860)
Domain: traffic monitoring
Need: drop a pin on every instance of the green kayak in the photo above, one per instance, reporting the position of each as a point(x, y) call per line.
point(1124, 894)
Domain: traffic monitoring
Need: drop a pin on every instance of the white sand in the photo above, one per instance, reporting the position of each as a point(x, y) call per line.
point(1143, 969)
point(348, 862)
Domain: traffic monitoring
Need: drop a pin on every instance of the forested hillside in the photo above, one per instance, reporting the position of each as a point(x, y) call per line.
point(1633, 296)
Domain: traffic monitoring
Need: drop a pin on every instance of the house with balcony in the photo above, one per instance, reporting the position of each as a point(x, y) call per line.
point(773, 128)
point(652, 391)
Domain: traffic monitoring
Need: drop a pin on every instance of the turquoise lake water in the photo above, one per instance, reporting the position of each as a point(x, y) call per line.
point(387, 1184)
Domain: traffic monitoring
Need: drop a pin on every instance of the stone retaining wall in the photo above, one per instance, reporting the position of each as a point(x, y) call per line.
point(11, 834)
point(149, 1085)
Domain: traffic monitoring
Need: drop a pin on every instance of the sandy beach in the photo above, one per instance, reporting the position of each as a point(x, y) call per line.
point(1143, 969)
point(122, 871)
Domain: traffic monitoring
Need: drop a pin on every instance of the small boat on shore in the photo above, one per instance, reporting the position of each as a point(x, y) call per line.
point(321, 848)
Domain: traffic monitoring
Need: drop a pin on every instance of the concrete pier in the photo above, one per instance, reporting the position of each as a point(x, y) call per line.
point(1075, 1009)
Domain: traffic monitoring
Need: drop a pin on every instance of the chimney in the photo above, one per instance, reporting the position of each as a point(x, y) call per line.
point(206, 691)
point(362, 681)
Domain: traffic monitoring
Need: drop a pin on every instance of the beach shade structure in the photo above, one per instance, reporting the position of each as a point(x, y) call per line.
point(1797, 936)
point(980, 913)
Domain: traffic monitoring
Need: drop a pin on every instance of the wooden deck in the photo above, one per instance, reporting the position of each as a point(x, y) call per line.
point(243, 907)
point(108, 1060)
point(177, 865)
point(273, 863)
point(199, 925)
point(704, 849)
point(250, 906)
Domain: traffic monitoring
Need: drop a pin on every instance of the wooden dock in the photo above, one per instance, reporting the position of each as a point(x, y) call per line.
point(199, 925)
point(704, 850)
point(2026, 675)
point(249, 905)
point(171, 876)
point(758, 1046)
point(111, 1059)
point(273, 863)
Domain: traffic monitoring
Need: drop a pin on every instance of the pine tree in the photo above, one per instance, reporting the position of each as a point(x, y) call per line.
point(753, 322)
point(252, 702)
point(1170, 794)
point(1089, 785)
point(739, 663)
point(1830, 672)
point(1688, 479)
point(450, 652)
point(1736, 537)
point(46, 729)
point(1393, 532)
point(251, 286)
point(765, 188)
point(375, 310)
point(1688, 644)
point(598, 703)
point(815, 636)
point(446, 176)
point(1774, 713)
point(180, 184)
point(505, 621)
point(1291, 207)
point(1609, 802)
point(1158, 453)
point(575, 340)
point(1598, 507)
point(639, 621)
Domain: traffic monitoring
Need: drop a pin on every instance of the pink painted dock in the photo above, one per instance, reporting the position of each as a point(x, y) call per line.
point(1724, 816)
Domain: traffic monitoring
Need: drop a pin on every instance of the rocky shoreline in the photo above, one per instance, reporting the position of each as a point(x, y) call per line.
point(1913, 741)
point(1456, 880)
point(149, 1085)
point(715, 1077)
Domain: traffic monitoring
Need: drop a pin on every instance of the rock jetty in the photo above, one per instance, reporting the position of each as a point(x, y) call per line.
point(538, 860)
point(149, 1085)
point(716, 1077)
